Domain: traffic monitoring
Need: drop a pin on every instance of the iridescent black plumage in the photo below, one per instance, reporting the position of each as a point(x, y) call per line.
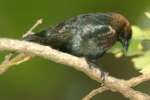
point(86, 35)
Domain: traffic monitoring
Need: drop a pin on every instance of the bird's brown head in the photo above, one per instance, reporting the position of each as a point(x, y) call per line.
point(123, 29)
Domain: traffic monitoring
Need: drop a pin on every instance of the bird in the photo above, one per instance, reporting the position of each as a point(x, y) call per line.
point(87, 35)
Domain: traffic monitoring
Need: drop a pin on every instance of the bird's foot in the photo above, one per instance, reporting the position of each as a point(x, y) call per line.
point(104, 74)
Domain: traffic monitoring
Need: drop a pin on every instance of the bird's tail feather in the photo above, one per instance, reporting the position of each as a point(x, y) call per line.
point(34, 38)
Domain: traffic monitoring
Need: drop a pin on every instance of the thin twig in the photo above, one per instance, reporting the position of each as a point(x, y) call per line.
point(30, 31)
point(138, 80)
point(95, 92)
point(20, 58)
point(7, 58)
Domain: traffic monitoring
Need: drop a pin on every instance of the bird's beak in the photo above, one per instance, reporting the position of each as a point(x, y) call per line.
point(126, 45)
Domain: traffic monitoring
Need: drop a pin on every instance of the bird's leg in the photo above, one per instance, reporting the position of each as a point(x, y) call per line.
point(93, 63)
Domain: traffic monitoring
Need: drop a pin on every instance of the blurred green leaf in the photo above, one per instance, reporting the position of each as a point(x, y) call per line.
point(141, 40)
point(147, 14)
point(143, 62)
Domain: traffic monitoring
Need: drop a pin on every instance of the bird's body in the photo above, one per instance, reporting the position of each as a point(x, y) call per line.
point(86, 35)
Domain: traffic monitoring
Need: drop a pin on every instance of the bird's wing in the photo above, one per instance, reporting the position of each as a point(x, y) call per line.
point(92, 40)
point(98, 37)
point(98, 31)
point(88, 31)
point(82, 22)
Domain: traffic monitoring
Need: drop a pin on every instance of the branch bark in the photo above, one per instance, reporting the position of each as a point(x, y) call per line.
point(77, 63)
point(131, 83)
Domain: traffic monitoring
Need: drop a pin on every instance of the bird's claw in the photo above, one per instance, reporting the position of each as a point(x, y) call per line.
point(104, 76)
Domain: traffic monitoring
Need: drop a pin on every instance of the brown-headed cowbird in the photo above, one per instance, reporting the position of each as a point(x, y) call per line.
point(86, 35)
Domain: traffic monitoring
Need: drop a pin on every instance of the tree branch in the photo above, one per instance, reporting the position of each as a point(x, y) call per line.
point(77, 63)
point(131, 83)
point(95, 92)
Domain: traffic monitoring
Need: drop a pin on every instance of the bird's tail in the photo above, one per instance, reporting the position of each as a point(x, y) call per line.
point(33, 38)
point(47, 37)
point(39, 37)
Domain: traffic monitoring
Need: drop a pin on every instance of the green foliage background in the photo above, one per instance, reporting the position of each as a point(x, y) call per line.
point(40, 79)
